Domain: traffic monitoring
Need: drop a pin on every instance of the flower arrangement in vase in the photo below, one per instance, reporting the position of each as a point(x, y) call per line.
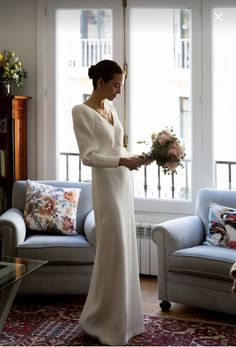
point(12, 71)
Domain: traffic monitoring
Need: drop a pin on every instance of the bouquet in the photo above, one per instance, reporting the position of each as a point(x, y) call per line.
point(166, 150)
point(11, 69)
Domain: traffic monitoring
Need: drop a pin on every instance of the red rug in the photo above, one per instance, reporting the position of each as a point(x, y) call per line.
point(58, 325)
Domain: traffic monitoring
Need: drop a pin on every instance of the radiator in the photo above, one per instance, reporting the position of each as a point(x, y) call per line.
point(147, 250)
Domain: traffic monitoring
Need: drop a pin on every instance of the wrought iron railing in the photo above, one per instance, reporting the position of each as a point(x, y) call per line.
point(225, 176)
point(79, 167)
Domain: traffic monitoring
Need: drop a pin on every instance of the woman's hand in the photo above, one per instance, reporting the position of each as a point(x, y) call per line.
point(148, 161)
point(133, 163)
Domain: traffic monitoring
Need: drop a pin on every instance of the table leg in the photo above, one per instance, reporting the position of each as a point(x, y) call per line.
point(6, 299)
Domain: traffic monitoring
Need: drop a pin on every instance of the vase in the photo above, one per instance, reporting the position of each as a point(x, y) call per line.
point(5, 88)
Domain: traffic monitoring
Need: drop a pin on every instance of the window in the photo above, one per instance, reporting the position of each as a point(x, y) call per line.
point(184, 114)
point(160, 73)
point(181, 73)
point(96, 36)
point(83, 38)
point(224, 105)
point(71, 36)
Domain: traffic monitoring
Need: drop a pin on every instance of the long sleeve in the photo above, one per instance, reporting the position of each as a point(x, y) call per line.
point(84, 128)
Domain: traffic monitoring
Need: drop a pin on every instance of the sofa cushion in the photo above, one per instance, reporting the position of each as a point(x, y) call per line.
point(51, 209)
point(57, 249)
point(203, 260)
point(222, 226)
point(85, 198)
point(208, 195)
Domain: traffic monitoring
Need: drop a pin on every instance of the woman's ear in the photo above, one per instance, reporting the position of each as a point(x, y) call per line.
point(100, 83)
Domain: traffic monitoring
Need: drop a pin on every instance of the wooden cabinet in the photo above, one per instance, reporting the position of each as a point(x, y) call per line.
point(13, 144)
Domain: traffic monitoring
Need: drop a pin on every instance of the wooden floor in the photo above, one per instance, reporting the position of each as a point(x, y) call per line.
point(150, 302)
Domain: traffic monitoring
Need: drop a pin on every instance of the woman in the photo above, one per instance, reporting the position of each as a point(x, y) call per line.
point(112, 311)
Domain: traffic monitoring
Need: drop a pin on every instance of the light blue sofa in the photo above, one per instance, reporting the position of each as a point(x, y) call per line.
point(70, 258)
point(189, 271)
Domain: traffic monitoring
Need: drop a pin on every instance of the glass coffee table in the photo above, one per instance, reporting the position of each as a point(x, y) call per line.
point(12, 270)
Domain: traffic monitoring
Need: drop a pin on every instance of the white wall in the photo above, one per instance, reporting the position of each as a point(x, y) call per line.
point(18, 33)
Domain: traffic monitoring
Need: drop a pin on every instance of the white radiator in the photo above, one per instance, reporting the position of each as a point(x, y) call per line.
point(147, 250)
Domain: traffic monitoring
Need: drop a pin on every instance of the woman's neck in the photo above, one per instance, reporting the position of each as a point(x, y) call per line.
point(96, 101)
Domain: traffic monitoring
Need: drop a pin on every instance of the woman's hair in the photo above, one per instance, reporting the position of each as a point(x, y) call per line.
point(105, 69)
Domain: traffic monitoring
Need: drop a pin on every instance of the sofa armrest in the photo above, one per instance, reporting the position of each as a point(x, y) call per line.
point(12, 231)
point(89, 228)
point(170, 236)
point(179, 233)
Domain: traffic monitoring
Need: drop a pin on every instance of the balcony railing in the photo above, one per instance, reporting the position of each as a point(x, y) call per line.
point(93, 50)
point(182, 53)
point(225, 176)
point(70, 167)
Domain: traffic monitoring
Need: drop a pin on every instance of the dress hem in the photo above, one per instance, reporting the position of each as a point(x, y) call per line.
point(112, 344)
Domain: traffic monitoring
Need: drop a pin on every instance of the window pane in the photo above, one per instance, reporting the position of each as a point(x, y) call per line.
point(224, 105)
point(160, 62)
point(83, 37)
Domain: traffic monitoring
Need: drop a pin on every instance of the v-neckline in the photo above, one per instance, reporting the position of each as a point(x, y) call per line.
point(100, 116)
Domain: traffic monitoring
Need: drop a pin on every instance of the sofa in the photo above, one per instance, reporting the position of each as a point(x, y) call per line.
point(192, 270)
point(70, 257)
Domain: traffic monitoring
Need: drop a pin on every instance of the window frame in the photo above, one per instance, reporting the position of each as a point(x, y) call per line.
point(47, 152)
point(207, 88)
point(201, 81)
point(147, 205)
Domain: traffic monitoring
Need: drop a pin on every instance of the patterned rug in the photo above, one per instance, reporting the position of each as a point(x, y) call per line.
point(58, 325)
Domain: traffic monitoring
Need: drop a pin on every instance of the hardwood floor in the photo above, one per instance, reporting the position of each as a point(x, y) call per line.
point(150, 302)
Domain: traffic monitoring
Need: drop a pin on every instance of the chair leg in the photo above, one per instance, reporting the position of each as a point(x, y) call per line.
point(165, 306)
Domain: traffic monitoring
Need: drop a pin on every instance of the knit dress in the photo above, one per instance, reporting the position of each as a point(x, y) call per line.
point(112, 311)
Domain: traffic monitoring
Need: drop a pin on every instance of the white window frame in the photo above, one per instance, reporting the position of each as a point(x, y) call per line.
point(207, 87)
point(201, 78)
point(47, 149)
point(177, 207)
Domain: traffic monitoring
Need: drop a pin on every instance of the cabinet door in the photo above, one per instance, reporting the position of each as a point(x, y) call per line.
point(20, 137)
point(13, 145)
point(6, 152)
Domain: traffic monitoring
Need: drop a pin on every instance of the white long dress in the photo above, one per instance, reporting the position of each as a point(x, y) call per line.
point(112, 311)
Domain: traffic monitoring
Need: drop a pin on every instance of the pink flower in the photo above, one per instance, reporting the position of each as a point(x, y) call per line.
point(176, 150)
point(163, 137)
point(172, 165)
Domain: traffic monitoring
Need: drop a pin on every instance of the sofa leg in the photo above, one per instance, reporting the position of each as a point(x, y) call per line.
point(165, 306)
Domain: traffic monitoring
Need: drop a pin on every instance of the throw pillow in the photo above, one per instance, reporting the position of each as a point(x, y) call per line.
point(222, 226)
point(51, 209)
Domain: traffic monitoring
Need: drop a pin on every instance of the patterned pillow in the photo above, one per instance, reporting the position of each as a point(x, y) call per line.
point(51, 209)
point(222, 226)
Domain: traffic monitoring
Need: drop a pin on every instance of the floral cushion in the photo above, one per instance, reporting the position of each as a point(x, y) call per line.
point(51, 209)
point(222, 226)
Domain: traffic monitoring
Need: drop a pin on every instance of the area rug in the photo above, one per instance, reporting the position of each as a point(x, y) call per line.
point(58, 325)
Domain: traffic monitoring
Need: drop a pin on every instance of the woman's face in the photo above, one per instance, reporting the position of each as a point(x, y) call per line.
point(113, 87)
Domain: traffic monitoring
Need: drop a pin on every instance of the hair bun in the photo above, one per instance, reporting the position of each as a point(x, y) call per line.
point(91, 71)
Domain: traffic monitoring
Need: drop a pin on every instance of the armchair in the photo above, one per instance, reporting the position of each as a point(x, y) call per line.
point(190, 271)
point(70, 258)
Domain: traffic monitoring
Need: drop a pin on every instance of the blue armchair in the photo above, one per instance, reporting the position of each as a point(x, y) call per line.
point(70, 258)
point(190, 271)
